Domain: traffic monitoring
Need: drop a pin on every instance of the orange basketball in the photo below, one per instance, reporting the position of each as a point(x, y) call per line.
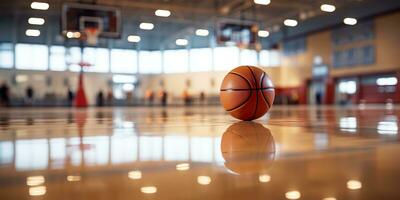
point(247, 93)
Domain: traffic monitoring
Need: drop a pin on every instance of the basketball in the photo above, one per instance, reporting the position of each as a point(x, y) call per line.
point(247, 93)
point(247, 147)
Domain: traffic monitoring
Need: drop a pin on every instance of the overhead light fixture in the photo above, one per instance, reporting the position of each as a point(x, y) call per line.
point(203, 180)
point(73, 34)
point(350, 21)
point(263, 33)
point(135, 174)
point(32, 32)
point(262, 2)
point(36, 21)
point(290, 22)
point(202, 32)
point(354, 185)
point(39, 5)
point(148, 189)
point(146, 26)
point(133, 38)
point(328, 8)
point(181, 42)
point(162, 13)
point(293, 195)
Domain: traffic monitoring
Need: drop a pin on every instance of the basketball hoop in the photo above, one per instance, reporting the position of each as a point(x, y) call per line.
point(91, 35)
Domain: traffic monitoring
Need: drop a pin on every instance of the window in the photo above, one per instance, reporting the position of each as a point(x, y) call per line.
point(123, 61)
point(57, 58)
point(248, 57)
point(176, 148)
point(270, 58)
point(98, 58)
point(6, 55)
point(201, 149)
point(150, 62)
point(150, 148)
point(383, 81)
point(200, 60)
point(98, 153)
point(226, 58)
point(31, 56)
point(31, 154)
point(176, 61)
point(73, 58)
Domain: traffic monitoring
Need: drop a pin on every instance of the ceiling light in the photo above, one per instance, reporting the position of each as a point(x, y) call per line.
point(202, 32)
point(263, 33)
point(72, 178)
point(146, 26)
point(203, 180)
point(262, 2)
point(182, 166)
point(32, 32)
point(162, 13)
point(290, 22)
point(264, 178)
point(73, 34)
point(350, 21)
point(135, 175)
point(328, 8)
point(354, 185)
point(181, 42)
point(37, 191)
point(133, 38)
point(34, 180)
point(39, 6)
point(148, 189)
point(293, 195)
point(36, 21)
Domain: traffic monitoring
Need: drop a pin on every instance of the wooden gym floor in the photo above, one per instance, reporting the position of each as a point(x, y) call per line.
point(199, 153)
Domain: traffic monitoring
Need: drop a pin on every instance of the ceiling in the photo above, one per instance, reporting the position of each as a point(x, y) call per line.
point(188, 15)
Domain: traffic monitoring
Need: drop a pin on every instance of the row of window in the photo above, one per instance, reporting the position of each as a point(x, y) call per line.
point(60, 58)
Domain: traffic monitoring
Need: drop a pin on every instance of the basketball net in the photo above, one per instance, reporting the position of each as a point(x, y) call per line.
point(91, 35)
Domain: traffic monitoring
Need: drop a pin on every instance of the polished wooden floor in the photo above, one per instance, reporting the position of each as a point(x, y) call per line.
point(202, 153)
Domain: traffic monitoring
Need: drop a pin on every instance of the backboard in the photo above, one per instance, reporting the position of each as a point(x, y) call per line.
point(77, 17)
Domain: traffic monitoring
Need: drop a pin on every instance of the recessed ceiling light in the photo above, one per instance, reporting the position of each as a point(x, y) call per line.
point(202, 32)
point(73, 34)
point(181, 42)
point(293, 195)
point(350, 21)
point(203, 180)
point(354, 185)
point(36, 21)
point(328, 8)
point(263, 33)
point(32, 32)
point(39, 5)
point(133, 38)
point(290, 22)
point(262, 2)
point(148, 189)
point(162, 13)
point(146, 26)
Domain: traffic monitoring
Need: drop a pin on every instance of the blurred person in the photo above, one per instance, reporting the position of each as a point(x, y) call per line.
point(202, 98)
point(187, 97)
point(4, 95)
point(149, 96)
point(164, 97)
point(110, 97)
point(70, 96)
point(29, 93)
point(100, 99)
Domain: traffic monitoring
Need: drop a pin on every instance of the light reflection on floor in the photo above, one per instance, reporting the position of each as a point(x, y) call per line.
point(193, 153)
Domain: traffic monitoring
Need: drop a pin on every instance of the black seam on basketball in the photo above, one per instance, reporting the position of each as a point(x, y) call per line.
point(248, 97)
point(262, 92)
point(247, 81)
point(233, 89)
point(255, 83)
point(241, 104)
